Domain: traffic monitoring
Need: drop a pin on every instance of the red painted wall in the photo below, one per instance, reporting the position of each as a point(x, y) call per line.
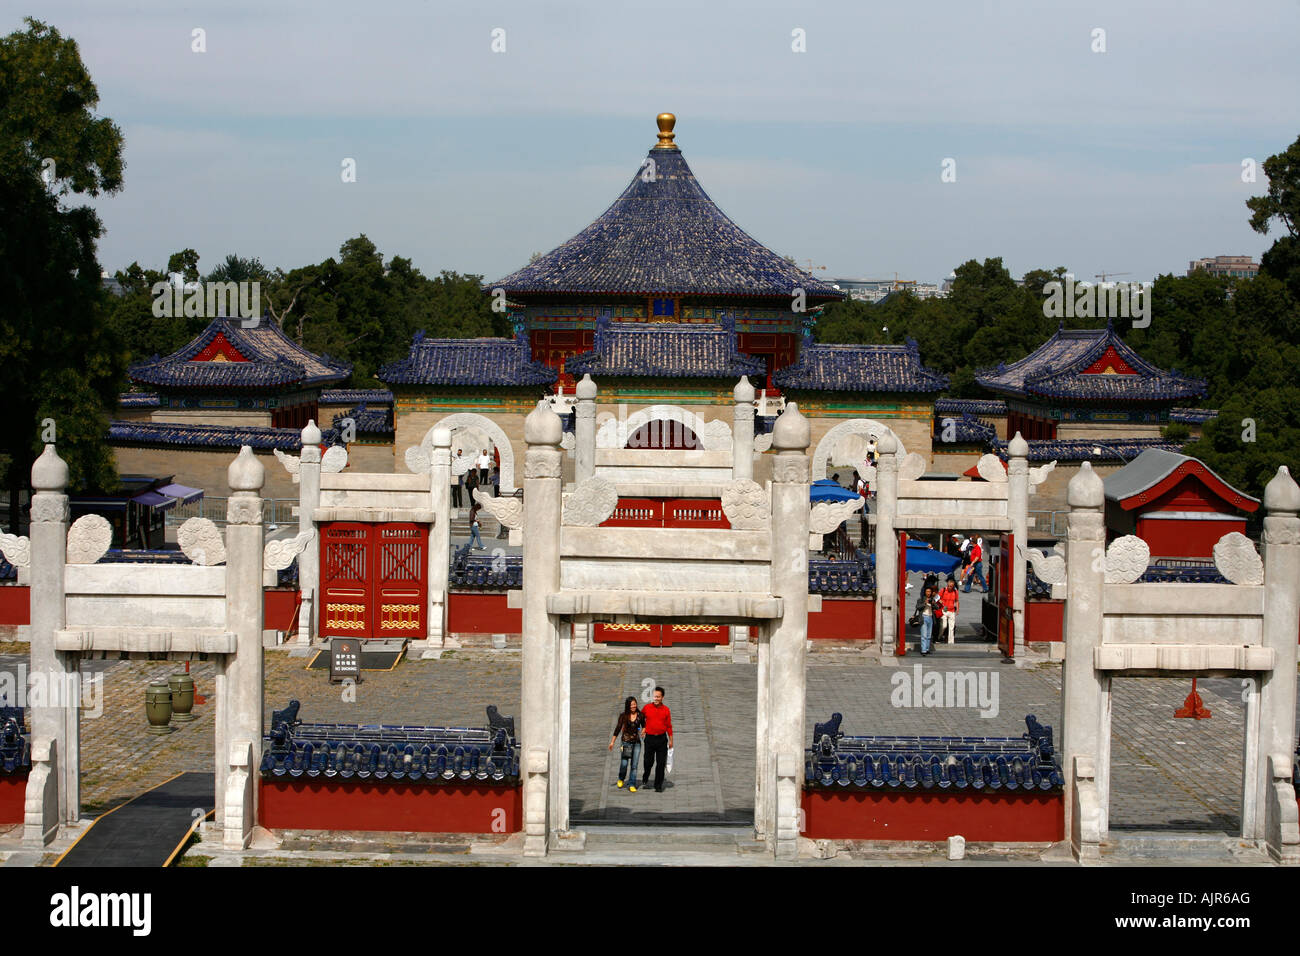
point(280, 606)
point(15, 604)
point(1174, 538)
point(477, 612)
point(390, 806)
point(13, 794)
point(1044, 620)
point(928, 815)
point(842, 619)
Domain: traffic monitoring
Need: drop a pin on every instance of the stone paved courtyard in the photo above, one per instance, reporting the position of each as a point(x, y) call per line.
point(1167, 772)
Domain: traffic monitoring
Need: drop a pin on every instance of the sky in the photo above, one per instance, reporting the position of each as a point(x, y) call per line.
point(1127, 160)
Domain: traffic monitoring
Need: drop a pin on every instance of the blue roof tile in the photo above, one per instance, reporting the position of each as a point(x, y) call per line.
point(664, 236)
point(370, 421)
point(967, 430)
point(1193, 416)
point(975, 406)
point(487, 361)
point(655, 349)
point(209, 436)
point(860, 368)
point(138, 400)
point(274, 361)
point(1087, 449)
point(354, 396)
point(1056, 370)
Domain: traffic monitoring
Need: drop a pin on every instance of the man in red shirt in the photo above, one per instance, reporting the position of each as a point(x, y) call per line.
point(658, 738)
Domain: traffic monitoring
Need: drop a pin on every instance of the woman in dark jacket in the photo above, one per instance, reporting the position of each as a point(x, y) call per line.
point(631, 724)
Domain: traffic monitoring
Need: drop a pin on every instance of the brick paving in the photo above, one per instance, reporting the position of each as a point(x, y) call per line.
point(1166, 772)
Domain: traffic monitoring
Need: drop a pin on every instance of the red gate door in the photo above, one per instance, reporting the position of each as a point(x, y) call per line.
point(400, 584)
point(1006, 620)
point(373, 580)
point(345, 609)
point(901, 650)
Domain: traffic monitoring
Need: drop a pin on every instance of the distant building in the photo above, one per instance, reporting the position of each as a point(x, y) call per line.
point(876, 290)
point(1226, 267)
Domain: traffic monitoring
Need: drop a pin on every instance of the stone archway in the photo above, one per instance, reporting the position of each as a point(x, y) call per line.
point(485, 425)
point(713, 436)
point(831, 442)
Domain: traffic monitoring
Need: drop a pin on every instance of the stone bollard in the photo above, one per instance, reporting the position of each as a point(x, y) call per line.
point(309, 560)
point(956, 848)
point(1018, 512)
point(584, 431)
point(439, 541)
point(886, 545)
point(742, 433)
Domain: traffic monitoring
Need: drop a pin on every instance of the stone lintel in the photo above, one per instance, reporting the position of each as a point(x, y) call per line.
point(660, 489)
point(709, 544)
point(145, 640)
point(414, 515)
point(144, 579)
point(1196, 659)
point(372, 481)
point(904, 522)
point(734, 606)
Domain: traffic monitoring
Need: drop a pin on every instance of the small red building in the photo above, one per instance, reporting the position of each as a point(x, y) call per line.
point(1174, 503)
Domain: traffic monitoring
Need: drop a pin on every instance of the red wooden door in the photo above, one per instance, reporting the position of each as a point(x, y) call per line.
point(1006, 572)
point(373, 580)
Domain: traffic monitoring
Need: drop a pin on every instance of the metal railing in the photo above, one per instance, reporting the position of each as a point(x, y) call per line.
point(1052, 522)
point(277, 511)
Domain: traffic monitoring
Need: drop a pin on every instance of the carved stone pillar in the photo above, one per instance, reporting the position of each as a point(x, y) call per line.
point(787, 672)
point(53, 788)
point(439, 540)
point(886, 544)
point(1278, 825)
point(242, 707)
point(584, 431)
point(742, 433)
point(309, 560)
point(1081, 687)
point(1018, 512)
point(541, 634)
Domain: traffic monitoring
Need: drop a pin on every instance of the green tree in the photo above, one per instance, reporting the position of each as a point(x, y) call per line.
point(1281, 203)
point(61, 360)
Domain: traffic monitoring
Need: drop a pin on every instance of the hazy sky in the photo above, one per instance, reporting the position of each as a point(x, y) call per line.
point(1126, 161)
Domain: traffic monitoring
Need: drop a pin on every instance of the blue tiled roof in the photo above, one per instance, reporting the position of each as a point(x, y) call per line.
point(1056, 371)
point(274, 361)
point(501, 362)
point(138, 400)
point(1081, 449)
point(841, 577)
point(860, 368)
point(967, 430)
point(355, 396)
point(371, 421)
point(664, 237)
point(210, 436)
point(976, 763)
point(1192, 416)
point(654, 349)
point(398, 753)
point(975, 406)
point(485, 572)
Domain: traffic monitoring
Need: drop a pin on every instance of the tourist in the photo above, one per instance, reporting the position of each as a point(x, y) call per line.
point(977, 567)
point(471, 483)
point(484, 463)
point(459, 465)
point(630, 724)
point(494, 479)
point(950, 602)
point(926, 608)
point(475, 539)
point(658, 739)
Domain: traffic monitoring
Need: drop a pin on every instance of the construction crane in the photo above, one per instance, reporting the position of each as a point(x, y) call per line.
point(1102, 275)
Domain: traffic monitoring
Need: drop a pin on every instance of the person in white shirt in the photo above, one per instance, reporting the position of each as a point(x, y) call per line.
point(459, 465)
point(484, 464)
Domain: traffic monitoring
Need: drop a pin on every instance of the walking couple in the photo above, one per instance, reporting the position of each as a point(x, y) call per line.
point(652, 725)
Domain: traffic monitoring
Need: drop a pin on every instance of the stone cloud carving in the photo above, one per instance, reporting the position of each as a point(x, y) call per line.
point(590, 503)
point(509, 511)
point(1126, 559)
point(1237, 560)
point(1049, 567)
point(89, 539)
point(17, 550)
point(826, 516)
point(746, 505)
point(201, 541)
point(990, 468)
point(1039, 475)
point(334, 460)
point(278, 555)
point(418, 459)
point(292, 463)
point(911, 467)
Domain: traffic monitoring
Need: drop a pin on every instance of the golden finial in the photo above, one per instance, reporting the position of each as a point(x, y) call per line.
point(666, 123)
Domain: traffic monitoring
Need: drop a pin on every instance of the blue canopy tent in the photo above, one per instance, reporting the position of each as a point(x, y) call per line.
point(827, 490)
point(923, 558)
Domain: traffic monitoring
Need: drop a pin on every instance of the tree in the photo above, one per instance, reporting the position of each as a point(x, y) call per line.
point(236, 269)
point(61, 361)
point(1281, 202)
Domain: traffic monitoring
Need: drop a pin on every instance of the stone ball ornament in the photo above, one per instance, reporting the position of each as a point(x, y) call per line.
point(1086, 489)
point(586, 387)
point(1281, 494)
point(744, 391)
point(792, 432)
point(311, 433)
point(543, 426)
point(1018, 447)
point(246, 473)
point(49, 471)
